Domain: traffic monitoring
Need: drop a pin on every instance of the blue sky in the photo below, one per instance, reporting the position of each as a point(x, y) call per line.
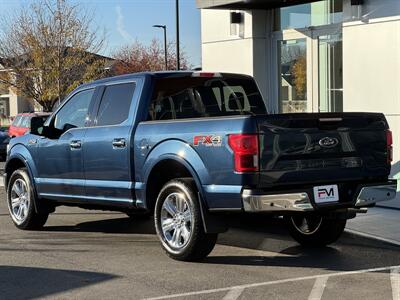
point(126, 20)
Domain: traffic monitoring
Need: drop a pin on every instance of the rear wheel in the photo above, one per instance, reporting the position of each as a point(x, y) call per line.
point(20, 200)
point(315, 230)
point(179, 224)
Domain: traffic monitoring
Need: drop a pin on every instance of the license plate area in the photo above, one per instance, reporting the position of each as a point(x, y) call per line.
point(326, 194)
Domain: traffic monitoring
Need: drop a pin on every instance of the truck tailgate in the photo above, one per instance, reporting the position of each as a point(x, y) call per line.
point(324, 147)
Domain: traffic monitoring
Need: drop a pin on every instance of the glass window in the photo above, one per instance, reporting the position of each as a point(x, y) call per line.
point(16, 120)
point(73, 114)
point(311, 14)
point(292, 62)
point(25, 122)
point(196, 97)
point(115, 104)
point(330, 67)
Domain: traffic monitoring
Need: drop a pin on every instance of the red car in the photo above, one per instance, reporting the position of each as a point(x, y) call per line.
point(21, 123)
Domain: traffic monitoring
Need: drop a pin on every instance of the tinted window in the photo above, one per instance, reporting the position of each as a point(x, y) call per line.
point(74, 112)
point(196, 97)
point(115, 104)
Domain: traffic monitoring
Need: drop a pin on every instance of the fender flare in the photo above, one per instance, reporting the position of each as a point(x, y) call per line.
point(22, 154)
point(182, 153)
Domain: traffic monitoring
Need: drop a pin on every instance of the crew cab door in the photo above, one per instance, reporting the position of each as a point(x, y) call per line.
point(59, 157)
point(107, 151)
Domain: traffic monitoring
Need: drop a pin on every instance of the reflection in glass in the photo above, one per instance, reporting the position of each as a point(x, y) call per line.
point(330, 69)
point(310, 14)
point(292, 76)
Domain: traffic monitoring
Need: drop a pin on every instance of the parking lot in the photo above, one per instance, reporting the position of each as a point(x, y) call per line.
point(100, 255)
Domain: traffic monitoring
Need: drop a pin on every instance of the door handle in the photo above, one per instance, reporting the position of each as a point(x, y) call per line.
point(75, 144)
point(119, 143)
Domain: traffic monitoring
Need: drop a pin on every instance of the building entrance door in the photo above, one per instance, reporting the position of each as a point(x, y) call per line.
point(308, 68)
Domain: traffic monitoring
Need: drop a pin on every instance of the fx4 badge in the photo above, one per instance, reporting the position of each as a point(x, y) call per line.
point(207, 140)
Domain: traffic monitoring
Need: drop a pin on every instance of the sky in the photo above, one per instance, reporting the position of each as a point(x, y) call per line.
point(127, 20)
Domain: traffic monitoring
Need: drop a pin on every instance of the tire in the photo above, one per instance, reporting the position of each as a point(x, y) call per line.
point(178, 210)
point(22, 211)
point(315, 230)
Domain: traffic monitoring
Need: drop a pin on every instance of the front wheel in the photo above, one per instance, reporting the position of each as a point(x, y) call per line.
point(20, 200)
point(315, 230)
point(179, 224)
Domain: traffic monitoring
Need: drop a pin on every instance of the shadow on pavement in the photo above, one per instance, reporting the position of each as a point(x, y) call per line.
point(117, 225)
point(261, 233)
point(27, 283)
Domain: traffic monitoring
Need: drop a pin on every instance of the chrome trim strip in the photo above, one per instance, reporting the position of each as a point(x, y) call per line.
point(222, 189)
point(277, 202)
point(105, 199)
point(373, 194)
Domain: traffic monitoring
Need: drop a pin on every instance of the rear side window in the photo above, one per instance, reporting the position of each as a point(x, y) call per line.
point(115, 104)
point(197, 97)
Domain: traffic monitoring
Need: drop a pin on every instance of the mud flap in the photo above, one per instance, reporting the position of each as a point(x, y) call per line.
point(213, 223)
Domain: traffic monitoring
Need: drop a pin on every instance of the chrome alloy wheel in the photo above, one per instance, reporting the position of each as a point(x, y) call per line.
point(20, 201)
point(176, 220)
point(306, 225)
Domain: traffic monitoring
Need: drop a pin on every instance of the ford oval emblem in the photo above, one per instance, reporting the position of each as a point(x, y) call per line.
point(328, 142)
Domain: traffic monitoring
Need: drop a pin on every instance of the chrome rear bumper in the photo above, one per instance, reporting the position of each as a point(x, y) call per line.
point(367, 196)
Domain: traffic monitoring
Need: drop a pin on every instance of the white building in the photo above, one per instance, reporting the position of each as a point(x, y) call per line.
point(315, 56)
point(11, 102)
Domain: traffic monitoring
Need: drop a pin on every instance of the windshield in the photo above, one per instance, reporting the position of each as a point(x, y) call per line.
point(194, 97)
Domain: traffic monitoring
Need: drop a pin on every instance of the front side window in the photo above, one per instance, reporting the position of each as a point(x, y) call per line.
point(198, 97)
point(16, 121)
point(73, 114)
point(115, 104)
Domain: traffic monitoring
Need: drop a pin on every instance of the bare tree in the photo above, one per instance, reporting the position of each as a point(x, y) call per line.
point(139, 58)
point(48, 49)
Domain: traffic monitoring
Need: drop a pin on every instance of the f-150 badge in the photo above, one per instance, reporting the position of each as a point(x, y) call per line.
point(207, 140)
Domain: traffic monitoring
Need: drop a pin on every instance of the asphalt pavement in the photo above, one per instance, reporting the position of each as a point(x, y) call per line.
point(100, 255)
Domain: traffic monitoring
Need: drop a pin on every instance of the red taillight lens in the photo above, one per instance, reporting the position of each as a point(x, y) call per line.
point(245, 149)
point(389, 143)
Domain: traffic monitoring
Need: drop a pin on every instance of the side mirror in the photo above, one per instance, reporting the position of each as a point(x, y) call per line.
point(37, 125)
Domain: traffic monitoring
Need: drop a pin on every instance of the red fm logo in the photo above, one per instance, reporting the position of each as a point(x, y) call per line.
point(207, 140)
point(322, 192)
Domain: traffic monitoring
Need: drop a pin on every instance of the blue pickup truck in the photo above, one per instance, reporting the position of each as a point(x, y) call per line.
point(191, 149)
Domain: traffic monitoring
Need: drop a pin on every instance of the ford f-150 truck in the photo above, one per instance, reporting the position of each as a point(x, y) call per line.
point(191, 148)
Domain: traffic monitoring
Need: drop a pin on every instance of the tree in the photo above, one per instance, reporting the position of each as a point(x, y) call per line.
point(48, 49)
point(140, 58)
point(299, 71)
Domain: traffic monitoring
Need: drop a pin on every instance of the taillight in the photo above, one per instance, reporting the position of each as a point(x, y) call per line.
point(245, 150)
point(389, 144)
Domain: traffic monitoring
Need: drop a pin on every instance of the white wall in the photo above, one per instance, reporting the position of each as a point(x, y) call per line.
point(221, 50)
point(245, 54)
point(371, 64)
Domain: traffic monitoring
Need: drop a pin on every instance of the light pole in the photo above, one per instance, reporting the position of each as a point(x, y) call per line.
point(178, 64)
point(164, 27)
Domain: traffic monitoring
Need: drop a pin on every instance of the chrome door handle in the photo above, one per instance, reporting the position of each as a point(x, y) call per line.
point(119, 143)
point(75, 144)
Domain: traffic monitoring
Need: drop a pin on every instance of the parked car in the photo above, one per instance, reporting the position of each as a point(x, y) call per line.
point(190, 148)
point(21, 123)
